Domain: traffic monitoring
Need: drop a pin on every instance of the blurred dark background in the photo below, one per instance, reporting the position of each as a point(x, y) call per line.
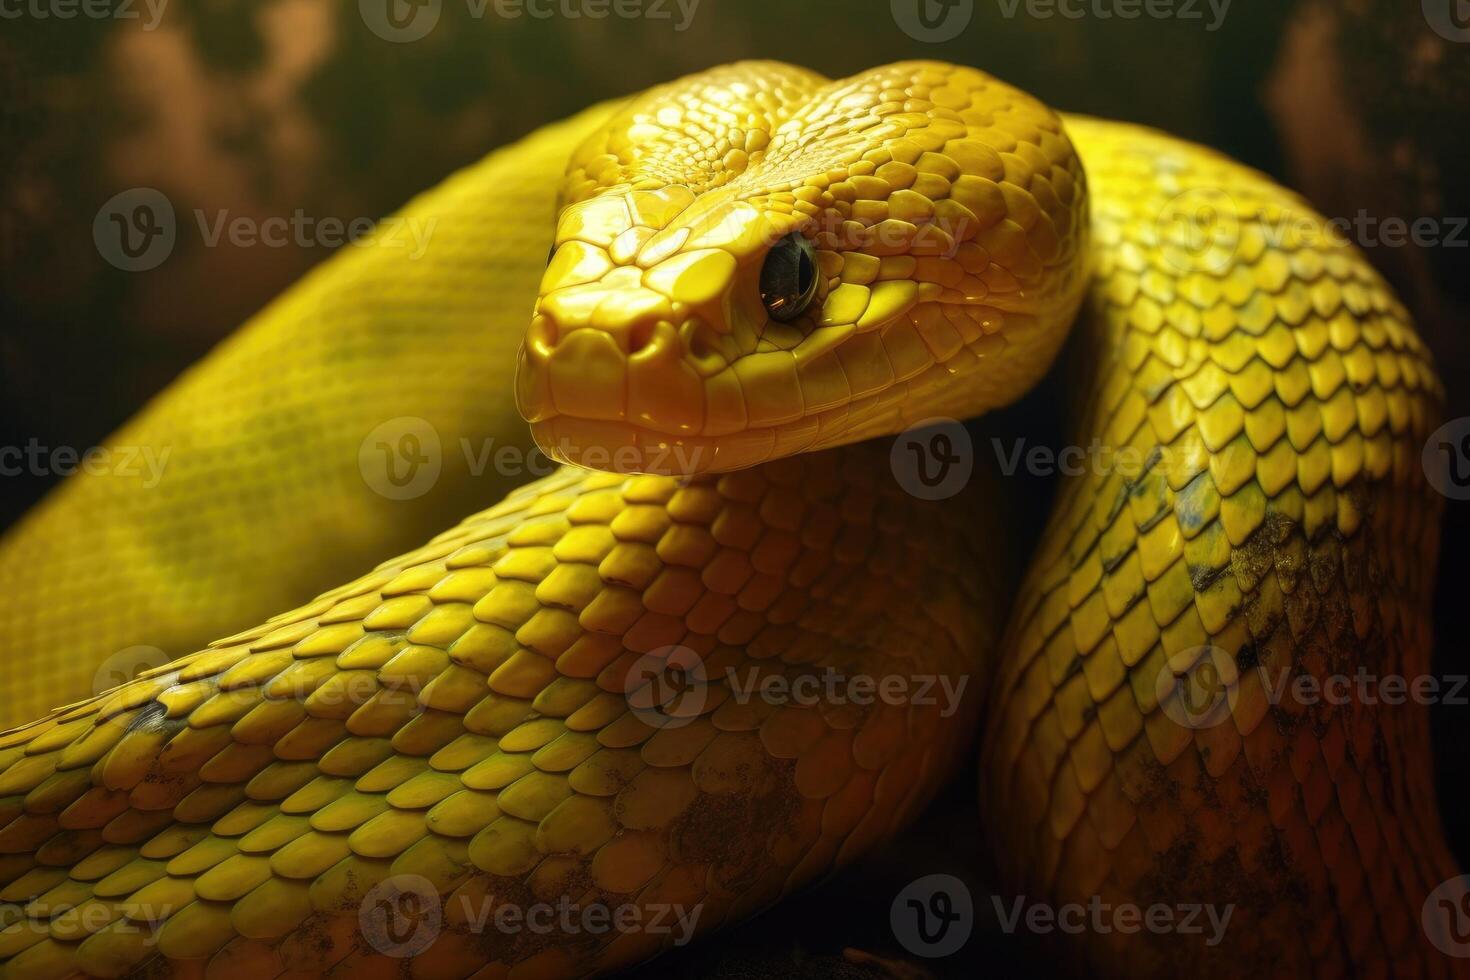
point(276, 107)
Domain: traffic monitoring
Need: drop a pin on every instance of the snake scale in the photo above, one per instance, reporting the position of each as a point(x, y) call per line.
point(754, 270)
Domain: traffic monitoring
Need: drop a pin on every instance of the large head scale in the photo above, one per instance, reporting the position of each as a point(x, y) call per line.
point(754, 262)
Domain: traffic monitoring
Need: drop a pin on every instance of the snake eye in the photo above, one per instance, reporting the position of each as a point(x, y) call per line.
point(789, 278)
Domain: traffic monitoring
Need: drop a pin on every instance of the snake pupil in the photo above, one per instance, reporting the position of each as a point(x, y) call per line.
point(806, 272)
point(789, 278)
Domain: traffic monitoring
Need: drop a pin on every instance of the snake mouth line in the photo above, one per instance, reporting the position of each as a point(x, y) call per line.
point(623, 446)
point(626, 447)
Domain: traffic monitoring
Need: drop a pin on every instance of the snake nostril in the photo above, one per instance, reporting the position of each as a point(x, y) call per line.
point(641, 335)
point(701, 341)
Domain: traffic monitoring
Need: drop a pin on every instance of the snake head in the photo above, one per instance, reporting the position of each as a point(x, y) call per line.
point(754, 262)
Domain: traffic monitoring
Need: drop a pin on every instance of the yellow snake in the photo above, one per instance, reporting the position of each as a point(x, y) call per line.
point(754, 267)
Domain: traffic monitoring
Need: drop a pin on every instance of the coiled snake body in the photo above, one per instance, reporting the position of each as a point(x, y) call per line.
point(755, 267)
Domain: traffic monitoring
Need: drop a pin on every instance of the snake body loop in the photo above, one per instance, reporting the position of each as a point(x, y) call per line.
point(486, 722)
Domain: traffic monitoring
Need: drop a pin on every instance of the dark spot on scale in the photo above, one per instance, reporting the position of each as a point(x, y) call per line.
point(1188, 503)
point(1148, 525)
point(1247, 657)
point(1201, 577)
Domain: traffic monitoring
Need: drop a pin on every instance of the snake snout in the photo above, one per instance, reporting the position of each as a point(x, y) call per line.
point(612, 365)
point(618, 358)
